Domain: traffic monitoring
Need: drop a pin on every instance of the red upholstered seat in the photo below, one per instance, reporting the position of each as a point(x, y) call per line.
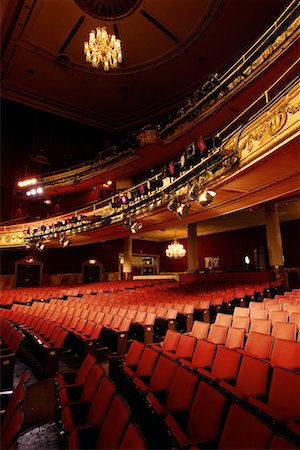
point(185, 347)
point(169, 343)
point(133, 438)
point(199, 329)
point(83, 393)
point(145, 366)
point(76, 415)
point(252, 378)
point(204, 418)
point(242, 430)
point(282, 401)
point(161, 378)
point(203, 355)
point(217, 334)
point(79, 377)
point(259, 344)
point(178, 398)
point(225, 365)
point(286, 354)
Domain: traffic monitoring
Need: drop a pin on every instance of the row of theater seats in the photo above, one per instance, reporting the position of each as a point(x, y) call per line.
point(10, 342)
point(12, 415)
point(236, 401)
point(91, 413)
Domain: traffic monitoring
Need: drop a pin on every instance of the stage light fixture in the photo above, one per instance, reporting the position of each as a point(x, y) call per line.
point(128, 223)
point(40, 246)
point(183, 210)
point(137, 226)
point(206, 197)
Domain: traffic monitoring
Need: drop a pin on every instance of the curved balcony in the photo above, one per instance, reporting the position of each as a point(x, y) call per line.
point(254, 164)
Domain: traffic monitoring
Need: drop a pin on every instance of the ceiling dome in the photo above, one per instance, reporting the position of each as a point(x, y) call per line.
point(108, 9)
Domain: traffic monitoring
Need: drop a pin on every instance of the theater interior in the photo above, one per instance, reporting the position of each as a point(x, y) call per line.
point(150, 224)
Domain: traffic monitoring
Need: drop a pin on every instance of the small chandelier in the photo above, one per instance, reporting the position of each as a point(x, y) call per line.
point(175, 250)
point(103, 49)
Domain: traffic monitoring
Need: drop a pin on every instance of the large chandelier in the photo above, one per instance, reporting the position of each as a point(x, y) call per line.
point(175, 250)
point(103, 49)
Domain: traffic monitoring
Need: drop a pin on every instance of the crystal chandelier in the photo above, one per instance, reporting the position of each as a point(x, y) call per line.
point(175, 250)
point(103, 49)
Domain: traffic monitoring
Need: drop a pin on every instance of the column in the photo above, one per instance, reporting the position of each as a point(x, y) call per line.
point(274, 242)
point(193, 260)
point(127, 266)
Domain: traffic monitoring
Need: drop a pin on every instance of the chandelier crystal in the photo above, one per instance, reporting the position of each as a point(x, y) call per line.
point(103, 49)
point(175, 250)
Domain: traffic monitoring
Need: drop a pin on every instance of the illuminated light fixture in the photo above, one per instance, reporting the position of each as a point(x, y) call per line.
point(137, 226)
point(92, 261)
point(128, 223)
point(175, 250)
point(28, 182)
point(183, 210)
point(103, 49)
point(109, 182)
point(48, 201)
point(206, 197)
point(247, 260)
point(64, 242)
point(39, 190)
point(124, 199)
point(40, 246)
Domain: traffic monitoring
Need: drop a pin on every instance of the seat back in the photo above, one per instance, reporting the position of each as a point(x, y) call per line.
point(249, 384)
point(261, 325)
point(134, 353)
point(16, 399)
point(226, 364)
point(223, 319)
point(284, 330)
point(171, 341)
point(207, 410)
point(163, 374)
point(85, 369)
point(186, 346)
point(12, 430)
point(258, 314)
point(259, 344)
point(241, 312)
point(92, 383)
point(147, 363)
point(133, 438)
point(203, 354)
point(179, 398)
point(235, 338)
point(101, 402)
point(114, 424)
point(285, 384)
point(217, 334)
point(278, 316)
point(242, 430)
point(241, 322)
point(199, 329)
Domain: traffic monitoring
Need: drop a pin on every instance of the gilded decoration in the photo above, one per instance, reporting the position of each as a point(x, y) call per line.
point(269, 125)
point(191, 117)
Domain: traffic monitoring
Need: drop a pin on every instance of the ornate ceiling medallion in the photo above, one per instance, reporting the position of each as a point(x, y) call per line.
point(108, 9)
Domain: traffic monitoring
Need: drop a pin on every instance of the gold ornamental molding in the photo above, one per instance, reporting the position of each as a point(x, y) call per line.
point(272, 128)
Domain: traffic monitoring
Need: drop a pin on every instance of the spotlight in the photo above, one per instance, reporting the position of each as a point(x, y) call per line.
point(66, 243)
point(128, 223)
point(206, 197)
point(183, 210)
point(137, 226)
point(40, 246)
point(173, 204)
point(39, 190)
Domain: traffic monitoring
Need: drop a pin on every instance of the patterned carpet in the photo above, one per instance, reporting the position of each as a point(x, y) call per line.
point(38, 407)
